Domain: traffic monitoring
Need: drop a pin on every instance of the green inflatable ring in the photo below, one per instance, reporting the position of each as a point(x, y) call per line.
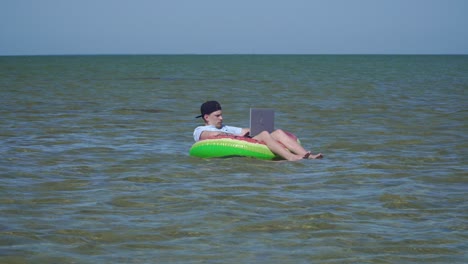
point(233, 146)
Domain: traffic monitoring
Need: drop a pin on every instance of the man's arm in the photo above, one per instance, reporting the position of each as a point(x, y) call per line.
point(210, 134)
point(245, 132)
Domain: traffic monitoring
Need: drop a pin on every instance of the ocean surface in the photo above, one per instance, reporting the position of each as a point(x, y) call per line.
point(95, 168)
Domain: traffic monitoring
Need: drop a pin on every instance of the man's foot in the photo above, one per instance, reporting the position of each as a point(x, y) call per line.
point(309, 155)
point(295, 158)
point(318, 156)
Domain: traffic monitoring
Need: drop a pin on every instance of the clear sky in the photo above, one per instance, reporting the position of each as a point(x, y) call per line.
point(49, 27)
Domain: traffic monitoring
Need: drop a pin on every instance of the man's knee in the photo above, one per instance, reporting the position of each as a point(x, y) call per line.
point(264, 135)
point(278, 132)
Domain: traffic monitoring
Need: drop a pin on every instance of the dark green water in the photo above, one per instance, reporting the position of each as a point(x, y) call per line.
point(95, 165)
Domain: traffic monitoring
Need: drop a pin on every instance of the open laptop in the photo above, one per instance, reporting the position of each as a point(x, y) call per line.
point(261, 119)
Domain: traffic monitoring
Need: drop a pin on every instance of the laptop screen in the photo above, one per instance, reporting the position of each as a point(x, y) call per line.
point(261, 119)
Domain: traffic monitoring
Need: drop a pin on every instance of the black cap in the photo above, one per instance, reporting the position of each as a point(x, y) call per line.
point(208, 108)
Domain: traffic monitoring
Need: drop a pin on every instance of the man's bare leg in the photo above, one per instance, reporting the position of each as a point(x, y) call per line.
point(292, 144)
point(276, 147)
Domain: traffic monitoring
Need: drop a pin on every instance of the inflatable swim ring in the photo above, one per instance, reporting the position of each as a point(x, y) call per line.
point(232, 146)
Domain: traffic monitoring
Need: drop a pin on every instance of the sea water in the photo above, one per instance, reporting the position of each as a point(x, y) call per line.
point(95, 168)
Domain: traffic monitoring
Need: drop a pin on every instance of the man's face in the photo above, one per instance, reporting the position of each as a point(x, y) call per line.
point(215, 119)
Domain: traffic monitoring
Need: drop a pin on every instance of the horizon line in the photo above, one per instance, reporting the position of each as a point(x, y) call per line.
point(237, 54)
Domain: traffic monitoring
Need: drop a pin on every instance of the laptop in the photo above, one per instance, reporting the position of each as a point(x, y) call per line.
point(261, 119)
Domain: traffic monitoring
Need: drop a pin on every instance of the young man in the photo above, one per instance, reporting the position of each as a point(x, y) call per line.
point(278, 141)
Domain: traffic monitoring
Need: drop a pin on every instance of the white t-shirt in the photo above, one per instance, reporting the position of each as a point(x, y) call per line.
point(237, 131)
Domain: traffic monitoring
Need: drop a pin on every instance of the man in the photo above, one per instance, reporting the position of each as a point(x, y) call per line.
point(278, 141)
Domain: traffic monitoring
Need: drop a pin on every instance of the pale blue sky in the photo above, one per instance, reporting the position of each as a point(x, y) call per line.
point(49, 27)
